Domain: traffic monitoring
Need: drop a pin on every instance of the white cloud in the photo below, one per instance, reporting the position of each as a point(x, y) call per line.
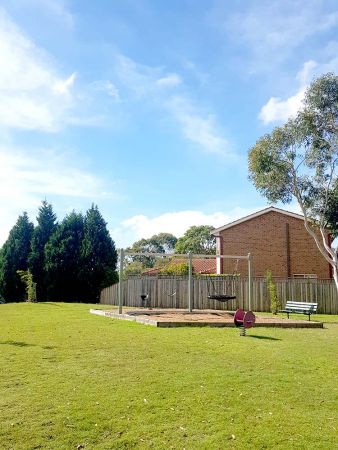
point(63, 86)
point(32, 94)
point(58, 9)
point(108, 87)
point(272, 30)
point(177, 222)
point(146, 82)
point(26, 178)
point(197, 128)
point(276, 109)
point(48, 12)
point(170, 80)
point(279, 110)
point(138, 79)
point(306, 73)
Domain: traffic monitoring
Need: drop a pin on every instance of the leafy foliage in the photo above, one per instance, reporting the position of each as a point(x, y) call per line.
point(46, 226)
point(198, 240)
point(72, 261)
point(98, 256)
point(299, 160)
point(272, 291)
point(63, 260)
point(179, 269)
point(331, 214)
point(133, 268)
point(159, 243)
point(27, 278)
point(14, 257)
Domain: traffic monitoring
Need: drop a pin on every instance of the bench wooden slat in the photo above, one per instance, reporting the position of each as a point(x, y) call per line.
point(301, 303)
point(305, 308)
point(300, 308)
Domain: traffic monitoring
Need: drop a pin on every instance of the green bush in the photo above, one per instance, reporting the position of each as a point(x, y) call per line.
point(27, 278)
point(272, 292)
point(176, 269)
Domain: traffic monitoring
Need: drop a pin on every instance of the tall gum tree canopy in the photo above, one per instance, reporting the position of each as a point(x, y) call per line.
point(158, 243)
point(299, 161)
point(198, 240)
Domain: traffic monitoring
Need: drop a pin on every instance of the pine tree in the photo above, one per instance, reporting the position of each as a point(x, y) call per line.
point(63, 260)
point(14, 257)
point(46, 226)
point(99, 256)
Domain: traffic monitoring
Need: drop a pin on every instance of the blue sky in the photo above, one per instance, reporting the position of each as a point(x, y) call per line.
point(148, 108)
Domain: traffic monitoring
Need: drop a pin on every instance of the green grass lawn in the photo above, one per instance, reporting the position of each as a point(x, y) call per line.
point(69, 378)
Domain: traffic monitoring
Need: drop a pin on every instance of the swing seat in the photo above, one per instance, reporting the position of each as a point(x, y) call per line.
point(145, 301)
point(221, 297)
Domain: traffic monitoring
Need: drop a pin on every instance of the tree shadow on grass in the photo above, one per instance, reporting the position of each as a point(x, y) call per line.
point(50, 304)
point(269, 338)
point(17, 343)
point(24, 344)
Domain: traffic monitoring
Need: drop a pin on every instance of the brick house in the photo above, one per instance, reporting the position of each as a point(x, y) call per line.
point(277, 241)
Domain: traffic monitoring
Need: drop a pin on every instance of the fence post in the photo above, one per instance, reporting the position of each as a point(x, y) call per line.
point(190, 299)
point(121, 280)
point(249, 280)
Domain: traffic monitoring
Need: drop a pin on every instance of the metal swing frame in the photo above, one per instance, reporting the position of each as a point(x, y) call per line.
point(189, 256)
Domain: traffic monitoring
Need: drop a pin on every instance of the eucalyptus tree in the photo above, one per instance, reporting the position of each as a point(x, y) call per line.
point(299, 161)
point(158, 243)
point(197, 239)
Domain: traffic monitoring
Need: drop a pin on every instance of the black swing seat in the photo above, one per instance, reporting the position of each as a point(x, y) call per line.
point(221, 297)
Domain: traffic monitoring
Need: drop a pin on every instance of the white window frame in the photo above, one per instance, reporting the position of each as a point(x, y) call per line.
point(312, 276)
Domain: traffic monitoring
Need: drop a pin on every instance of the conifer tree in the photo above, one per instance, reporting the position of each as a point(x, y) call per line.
point(98, 255)
point(63, 260)
point(14, 257)
point(46, 226)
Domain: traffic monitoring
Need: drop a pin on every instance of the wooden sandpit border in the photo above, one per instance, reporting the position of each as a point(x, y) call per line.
point(165, 318)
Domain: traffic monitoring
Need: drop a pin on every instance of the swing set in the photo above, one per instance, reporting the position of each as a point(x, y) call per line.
point(220, 287)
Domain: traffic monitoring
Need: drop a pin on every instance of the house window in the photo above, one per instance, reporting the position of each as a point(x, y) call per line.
point(305, 275)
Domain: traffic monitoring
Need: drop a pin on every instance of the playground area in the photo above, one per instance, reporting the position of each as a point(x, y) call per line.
point(170, 318)
point(207, 283)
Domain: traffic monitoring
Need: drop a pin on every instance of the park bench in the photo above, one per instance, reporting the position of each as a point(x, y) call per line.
point(300, 308)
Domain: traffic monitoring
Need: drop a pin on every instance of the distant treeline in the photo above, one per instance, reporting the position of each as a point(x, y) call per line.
point(69, 261)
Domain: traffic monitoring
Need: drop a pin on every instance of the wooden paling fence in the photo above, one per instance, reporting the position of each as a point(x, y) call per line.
point(172, 292)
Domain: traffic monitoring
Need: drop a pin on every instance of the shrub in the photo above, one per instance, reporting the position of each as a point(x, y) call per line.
point(176, 269)
point(27, 278)
point(272, 292)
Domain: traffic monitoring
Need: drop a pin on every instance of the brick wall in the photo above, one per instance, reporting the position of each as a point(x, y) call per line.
point(277, 242)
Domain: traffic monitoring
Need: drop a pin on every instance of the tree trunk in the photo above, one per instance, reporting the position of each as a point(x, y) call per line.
point(335, 272)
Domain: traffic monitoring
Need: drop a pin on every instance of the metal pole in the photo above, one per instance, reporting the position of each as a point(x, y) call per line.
point(249, 280)
point(190, 299)
point(121, 280)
